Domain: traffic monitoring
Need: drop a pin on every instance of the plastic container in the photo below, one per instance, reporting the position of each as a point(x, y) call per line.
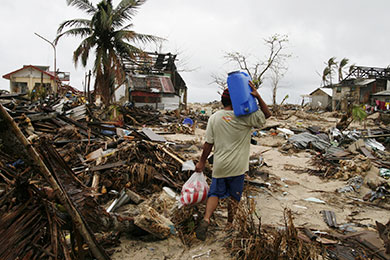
point(240, 93)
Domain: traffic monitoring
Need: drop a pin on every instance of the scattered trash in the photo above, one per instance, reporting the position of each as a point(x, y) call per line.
point(329, 218)
point(206, 254)
point(188, 166)
point(285, 131)
point(311, 199)
point(348, 227)
point(299, 206)
point(385, 173)
point(374, 144)
point(353, 184)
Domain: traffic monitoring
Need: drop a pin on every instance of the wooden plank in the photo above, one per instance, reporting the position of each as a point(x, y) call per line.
point(367, 153)
point(42, 116)
point(107, 166)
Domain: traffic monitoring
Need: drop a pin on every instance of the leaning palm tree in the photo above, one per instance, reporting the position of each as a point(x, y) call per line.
point(108, 34)
point(342, 64)
point(331, 63)
point(325, 76)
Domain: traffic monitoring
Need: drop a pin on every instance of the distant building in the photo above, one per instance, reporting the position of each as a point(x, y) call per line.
point(321, 98)
point(25, 79)
point(359, 86)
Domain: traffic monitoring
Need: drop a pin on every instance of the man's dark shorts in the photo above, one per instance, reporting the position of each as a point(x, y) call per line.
point(226, 187)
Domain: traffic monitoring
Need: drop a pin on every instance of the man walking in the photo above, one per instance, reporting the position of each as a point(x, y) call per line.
point(230, 137)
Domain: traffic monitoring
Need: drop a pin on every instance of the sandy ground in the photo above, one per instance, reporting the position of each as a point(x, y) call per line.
point(288, 189)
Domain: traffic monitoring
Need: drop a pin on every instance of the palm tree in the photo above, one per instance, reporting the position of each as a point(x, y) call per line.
point(331, 63)
point(108, 34)
point(342, 64)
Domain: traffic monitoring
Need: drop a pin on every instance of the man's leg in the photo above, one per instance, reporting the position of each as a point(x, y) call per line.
point(217, 189)
point(212, 203)
point(232, 209)
point(235, 188)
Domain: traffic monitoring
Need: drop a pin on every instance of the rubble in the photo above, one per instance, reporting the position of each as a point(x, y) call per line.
point(75, 177)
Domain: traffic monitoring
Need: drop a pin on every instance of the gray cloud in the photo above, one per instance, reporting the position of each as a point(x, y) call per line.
point(204, 30)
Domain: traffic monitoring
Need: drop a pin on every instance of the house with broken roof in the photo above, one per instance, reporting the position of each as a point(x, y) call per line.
point(359, 87)
point(321, 98)
point(25, 79)
point(152, 80)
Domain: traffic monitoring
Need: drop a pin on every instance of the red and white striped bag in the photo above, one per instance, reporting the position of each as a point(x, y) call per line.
point(194, 190)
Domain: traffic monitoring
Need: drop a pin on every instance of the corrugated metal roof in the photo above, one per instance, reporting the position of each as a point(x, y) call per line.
point(151, 83)
point(167, 85)
point(363, 82)
point(382, 93)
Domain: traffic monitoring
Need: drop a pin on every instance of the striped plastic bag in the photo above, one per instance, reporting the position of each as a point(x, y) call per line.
point(194, 190)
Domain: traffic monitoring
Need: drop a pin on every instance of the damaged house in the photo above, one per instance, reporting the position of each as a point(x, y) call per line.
point(359, 87)
point(320, 98)
point(152, 80)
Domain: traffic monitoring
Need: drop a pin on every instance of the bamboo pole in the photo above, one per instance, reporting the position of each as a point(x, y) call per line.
point(96, 250)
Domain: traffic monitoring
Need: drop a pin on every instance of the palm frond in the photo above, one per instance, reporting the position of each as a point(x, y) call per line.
point(132, 36)
point(343, 62)
point(117, 66)
point(125, 11)
point(74, 32)
point(75, 22)
point(126, 27)
point(83, 5)
point(332, 62)
point(325, 75)
point(127, 50)
point(83, 51)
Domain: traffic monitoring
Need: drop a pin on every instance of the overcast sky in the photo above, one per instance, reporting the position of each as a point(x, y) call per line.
point(203, 31)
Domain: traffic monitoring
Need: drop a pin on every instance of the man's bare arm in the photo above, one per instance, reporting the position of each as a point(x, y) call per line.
point(205, 153)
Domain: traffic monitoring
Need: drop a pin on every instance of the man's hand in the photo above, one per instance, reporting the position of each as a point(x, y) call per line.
point(263, 105)
point(205, 153)
point(254, 90)
point(199, 166)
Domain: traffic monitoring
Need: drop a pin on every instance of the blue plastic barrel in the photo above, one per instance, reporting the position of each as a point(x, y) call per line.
point(240, 93)
point(188, 121)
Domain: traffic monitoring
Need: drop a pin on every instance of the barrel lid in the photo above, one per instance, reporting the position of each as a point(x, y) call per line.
point(236, 71)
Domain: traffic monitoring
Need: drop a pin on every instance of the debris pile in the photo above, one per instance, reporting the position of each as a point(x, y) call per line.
point(254, 241)
point(65, 187)
point(74, 177)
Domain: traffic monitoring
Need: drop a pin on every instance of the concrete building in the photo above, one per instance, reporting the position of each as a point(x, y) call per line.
point(25, 79)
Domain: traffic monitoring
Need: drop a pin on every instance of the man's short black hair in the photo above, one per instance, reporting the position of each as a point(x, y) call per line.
point(225, 98)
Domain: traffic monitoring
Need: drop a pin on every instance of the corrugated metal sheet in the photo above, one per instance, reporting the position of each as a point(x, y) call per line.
point(364, 82)
point(382, 93)
point(167, 85)
point(152, 83)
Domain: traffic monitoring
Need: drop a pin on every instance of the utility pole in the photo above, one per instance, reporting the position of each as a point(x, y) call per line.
point(55, 56)
point(88, 85)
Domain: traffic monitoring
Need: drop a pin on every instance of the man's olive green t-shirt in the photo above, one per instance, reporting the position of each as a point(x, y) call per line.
point(231, 138)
